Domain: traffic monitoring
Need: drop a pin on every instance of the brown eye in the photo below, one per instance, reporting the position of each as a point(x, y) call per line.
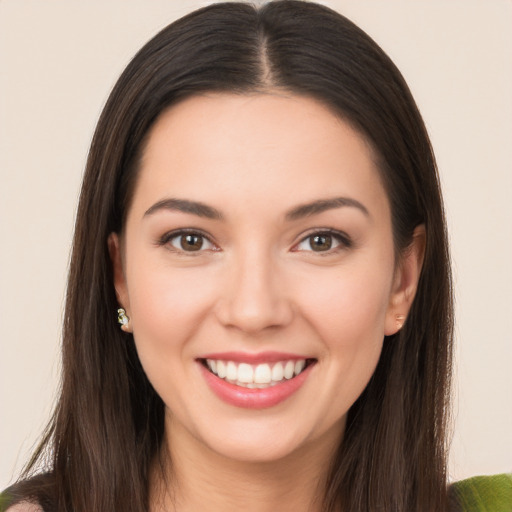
point(320, 242)
point(190, 242)
point(324, 242)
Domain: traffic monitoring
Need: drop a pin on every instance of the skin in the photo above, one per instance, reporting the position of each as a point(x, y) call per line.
point(256, 285)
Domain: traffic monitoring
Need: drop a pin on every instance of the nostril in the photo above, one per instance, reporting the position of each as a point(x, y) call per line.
point(254, 314)
point(253, 298)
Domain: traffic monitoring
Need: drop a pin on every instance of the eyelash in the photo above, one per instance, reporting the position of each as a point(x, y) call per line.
point(168, 237)
point(342, 239)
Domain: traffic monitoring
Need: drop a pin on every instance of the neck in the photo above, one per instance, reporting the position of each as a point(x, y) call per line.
point(198, 478)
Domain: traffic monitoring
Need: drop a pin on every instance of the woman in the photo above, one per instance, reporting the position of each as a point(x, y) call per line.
point(286, 329)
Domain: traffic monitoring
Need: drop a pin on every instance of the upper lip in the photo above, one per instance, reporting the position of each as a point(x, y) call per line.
point(254, 358)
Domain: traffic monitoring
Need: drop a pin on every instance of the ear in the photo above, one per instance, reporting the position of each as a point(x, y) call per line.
point(405, 282)
point(115, 251)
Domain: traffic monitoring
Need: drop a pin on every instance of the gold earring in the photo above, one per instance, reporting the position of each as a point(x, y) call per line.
point(123, 319)
point(400, 319)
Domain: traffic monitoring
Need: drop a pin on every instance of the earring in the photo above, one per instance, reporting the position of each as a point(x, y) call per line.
point(123, 319)
point(400, 319)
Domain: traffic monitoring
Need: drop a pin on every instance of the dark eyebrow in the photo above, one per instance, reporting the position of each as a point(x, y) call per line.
point(185, 206)
point(304, 210)
point(315, 207)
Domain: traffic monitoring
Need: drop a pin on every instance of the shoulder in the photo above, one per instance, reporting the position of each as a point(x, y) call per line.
point(483, 494)
point(34, 494)
point(25, 507)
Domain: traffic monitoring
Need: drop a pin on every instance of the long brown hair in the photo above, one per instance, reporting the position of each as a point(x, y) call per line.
point(109, 423)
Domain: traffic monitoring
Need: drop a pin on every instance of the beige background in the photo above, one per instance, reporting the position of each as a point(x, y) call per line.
point(58, 61)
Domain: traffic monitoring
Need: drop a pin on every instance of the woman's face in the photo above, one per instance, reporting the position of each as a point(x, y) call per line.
point(257, 268)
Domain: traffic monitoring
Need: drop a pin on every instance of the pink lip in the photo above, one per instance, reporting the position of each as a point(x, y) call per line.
point(254, 398)
point(260, 357)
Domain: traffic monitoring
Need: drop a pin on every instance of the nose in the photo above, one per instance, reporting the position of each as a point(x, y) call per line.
point(254, 298)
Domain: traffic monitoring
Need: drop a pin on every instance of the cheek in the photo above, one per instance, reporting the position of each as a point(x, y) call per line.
point(167, 306)
point(347, 307)
point(347, 314)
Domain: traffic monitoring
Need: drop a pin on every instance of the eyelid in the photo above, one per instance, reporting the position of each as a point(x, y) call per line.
point(344, 240)
point(168, 236)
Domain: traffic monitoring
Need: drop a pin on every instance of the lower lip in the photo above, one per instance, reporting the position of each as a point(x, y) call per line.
point(248, 398)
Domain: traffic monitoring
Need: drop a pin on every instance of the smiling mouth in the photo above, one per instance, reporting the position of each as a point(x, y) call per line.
point(256, 376)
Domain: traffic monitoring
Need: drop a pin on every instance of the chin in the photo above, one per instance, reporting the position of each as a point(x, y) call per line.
point(257, 451)
point(268, 440)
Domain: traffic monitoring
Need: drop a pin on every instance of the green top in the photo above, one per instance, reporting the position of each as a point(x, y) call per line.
point(484, 493)
point(477, 494)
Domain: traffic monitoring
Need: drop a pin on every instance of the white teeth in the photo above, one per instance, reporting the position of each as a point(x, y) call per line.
point(262, 374)
point(299, 366)
point(256, 376)
point(289, 369)
point(278, 372)
point(231, 371)
point(245, 373)
point(221, 369)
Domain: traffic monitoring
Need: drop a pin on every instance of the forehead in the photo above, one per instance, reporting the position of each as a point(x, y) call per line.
point(260, 147)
